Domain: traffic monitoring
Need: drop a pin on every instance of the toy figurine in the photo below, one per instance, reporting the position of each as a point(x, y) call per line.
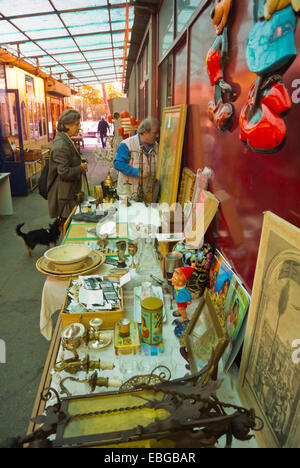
point(270, 51)
point(220, 112)
point(182, 298)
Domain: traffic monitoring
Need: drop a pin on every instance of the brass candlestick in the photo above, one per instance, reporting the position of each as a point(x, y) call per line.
point(132, 249)
point(103, 243)
point(121, 249)
point(73, 366)
point(94, 334)
point(79, 197)
point(73, 337)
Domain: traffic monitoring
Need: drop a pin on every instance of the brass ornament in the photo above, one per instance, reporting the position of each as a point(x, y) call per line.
point(132, 249)
point(72, 366)
point(94, 381)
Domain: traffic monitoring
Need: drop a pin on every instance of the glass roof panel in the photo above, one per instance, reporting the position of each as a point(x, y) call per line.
point(71, 68)
point(119, 14)
point(96, 65)
point(97, 30)
point(58, 45)
point(109, 79)
point(41, 26)
point(115, 2)
point(94, 42)
point(57, 69)
point(21, 7)
point(9, 33)
point(121, 25)
point(98, 55)
point(69, 58)
point(86, 21)
point(118, 38)
point(84, 66)
point(43, 61)
point(118, 53)
point(86, 69)
point(61, 4)
point(84, 73)
point(106, 71)
point(29, 49)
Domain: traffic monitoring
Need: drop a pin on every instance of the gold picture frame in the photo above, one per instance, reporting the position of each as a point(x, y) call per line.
point(170, 152)
point(187, 184)
point(204, 337)
point(269, 372)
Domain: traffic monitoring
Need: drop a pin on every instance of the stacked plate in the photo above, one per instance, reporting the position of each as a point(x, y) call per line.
point(92, 261)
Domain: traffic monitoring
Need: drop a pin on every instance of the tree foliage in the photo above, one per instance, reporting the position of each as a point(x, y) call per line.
point(94, 95)
point(91, 95)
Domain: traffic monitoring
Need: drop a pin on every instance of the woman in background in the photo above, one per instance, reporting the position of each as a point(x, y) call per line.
point(65, 167)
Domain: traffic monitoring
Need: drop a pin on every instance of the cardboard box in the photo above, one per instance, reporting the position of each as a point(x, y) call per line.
point(109, 317)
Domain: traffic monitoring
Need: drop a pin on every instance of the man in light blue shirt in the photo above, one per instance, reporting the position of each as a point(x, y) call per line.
point(127, 157)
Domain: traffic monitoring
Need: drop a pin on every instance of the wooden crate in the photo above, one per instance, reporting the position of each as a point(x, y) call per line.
point(29, 156)
point(32, 155)
point(109, 317)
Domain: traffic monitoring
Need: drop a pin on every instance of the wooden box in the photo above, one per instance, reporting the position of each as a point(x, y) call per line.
point(32, 155)
point(109, 317)
point(29, 156)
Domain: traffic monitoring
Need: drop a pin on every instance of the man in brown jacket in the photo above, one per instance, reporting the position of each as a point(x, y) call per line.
point(65, 167)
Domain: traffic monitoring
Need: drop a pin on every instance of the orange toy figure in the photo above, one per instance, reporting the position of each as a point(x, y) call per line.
point(181, 295)
point(220, 14)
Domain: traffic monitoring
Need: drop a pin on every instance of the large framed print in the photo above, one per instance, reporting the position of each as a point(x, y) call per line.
point(170, 152)
point(269, 378)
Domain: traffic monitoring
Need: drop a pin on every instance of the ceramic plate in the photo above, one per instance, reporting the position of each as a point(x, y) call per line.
point(95, 259)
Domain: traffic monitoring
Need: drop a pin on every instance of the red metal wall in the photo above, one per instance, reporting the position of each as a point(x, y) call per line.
point(247, 183)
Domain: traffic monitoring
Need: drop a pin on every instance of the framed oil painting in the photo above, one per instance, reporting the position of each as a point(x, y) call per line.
point(204, 336)
point(170, 152)
point(186, 190)
point(269, 378)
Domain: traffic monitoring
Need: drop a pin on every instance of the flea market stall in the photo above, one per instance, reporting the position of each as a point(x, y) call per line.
point(121, 364)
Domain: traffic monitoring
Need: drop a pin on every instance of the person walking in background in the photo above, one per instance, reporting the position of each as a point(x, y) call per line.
point(103, 127)
point(65, 167)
